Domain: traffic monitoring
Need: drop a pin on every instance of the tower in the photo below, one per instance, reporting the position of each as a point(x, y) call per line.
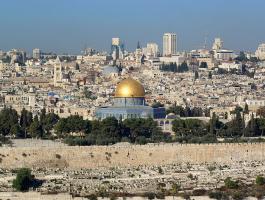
point(36, 53)
point(57, 71)
point(218, 44)
point(169, 44)
point(117, 49)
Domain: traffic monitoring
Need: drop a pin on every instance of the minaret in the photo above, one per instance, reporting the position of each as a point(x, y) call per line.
point(138, 53)
point(57, 71)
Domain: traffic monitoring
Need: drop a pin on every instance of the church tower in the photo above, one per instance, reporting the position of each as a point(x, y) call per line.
point(57, 71)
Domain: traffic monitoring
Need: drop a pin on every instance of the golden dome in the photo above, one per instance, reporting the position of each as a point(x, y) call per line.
point(129, 88)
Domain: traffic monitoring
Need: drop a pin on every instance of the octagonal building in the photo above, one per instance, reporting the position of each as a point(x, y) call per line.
point(129, 102)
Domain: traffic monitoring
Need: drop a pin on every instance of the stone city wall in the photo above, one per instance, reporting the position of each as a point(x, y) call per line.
point(129, 155)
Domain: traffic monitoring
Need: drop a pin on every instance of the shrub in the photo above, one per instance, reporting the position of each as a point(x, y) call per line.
point(199, 192)
point(260, 180)
point(216, 195)
point(238, 196)
point(92, 197)
point(58, 156)
point(190, 176)
point(150, 195)
point(175, 188)
point(161, 185)
point(112, 197)
point(160, 170)
point(186, 196)
point(141, 140)
point(24, 180)
point(211, 168)
point(125, 139)
point(160, 195)
point(259, 195)
point(230, 184)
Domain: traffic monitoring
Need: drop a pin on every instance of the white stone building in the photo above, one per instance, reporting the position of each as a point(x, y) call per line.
point(169, 44)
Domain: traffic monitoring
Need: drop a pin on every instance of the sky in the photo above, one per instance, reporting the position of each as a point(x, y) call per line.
point(67, 26)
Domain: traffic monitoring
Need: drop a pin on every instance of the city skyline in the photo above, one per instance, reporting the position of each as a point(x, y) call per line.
point(69, 26)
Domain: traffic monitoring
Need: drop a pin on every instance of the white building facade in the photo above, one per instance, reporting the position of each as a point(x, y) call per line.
point(260, 53)
point(151, 50)
point(169, 44)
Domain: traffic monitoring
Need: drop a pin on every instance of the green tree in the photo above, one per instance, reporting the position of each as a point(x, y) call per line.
point(178, 127)
point(35, 128)
point(171, 67)
point(42, 115)
point(213, 122)
point(24, 180)
point(61, 127)
point(189, 128)
point(25, 121)
point(8, 118)
point(138, 129)
point(260, 180)
point(71, 124)
point(49, 122)
point(237, 109)
point(252, 128)
point(242, 57)
point(261, 125)
point(110, 131)
point(230, 184)
point(16, 131)
point(183, 67)
point(177, 110)
point(236, 127)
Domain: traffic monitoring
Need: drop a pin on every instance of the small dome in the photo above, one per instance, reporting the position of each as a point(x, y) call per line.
point(129, 88)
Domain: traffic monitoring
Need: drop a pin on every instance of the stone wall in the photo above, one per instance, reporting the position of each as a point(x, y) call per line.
point(129, 155)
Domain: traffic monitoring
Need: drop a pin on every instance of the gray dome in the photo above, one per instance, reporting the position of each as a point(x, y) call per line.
point(110, 70)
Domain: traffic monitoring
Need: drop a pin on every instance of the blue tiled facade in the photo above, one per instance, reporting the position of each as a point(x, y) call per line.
point(126, 108)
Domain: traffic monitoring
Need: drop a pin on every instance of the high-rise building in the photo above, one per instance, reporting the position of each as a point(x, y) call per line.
point(169, 44)
point(218, 44)
point(117, 49)
point(152, 49)
point(260, 53)
point(89, 52)
point(36, 53)
point(116, 42)
point(17, 56)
